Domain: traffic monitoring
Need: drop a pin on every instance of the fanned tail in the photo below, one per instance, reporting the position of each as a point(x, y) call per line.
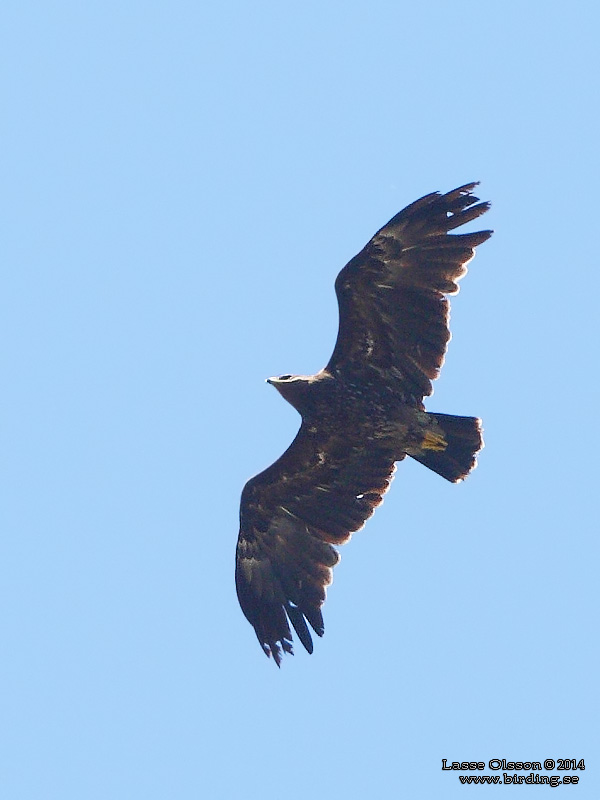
point(451, 445)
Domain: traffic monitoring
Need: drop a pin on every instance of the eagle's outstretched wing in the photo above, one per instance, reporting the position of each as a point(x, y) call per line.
point(393, 312)
point(324, 487)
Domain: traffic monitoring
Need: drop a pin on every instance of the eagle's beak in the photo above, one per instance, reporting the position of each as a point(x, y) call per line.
point(275, 382)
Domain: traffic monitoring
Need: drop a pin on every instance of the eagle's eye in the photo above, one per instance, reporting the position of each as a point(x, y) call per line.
point(284, 377)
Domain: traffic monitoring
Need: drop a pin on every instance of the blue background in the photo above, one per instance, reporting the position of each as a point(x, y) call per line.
point(181, 183)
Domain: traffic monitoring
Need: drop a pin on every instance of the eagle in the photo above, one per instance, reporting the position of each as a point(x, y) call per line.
point(361, 414)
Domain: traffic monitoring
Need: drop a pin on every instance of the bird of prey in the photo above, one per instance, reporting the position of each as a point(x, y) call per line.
point(360, 414)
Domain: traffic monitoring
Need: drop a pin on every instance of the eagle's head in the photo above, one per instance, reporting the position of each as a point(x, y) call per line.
point(298, 390)
point(290, 386)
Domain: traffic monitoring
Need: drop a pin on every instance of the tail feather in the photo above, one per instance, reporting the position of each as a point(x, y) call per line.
point(453, 455)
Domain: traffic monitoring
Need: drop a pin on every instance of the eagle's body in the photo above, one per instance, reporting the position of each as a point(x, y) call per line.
point(360, 415)
point(361, 408)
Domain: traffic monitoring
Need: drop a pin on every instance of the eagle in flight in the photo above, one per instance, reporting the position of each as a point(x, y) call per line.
point(360, 414)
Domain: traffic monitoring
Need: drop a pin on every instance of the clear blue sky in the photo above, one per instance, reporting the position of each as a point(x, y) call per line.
point(181, 183)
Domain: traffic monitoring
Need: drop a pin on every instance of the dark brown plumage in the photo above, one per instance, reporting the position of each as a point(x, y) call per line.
point(360, 414)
